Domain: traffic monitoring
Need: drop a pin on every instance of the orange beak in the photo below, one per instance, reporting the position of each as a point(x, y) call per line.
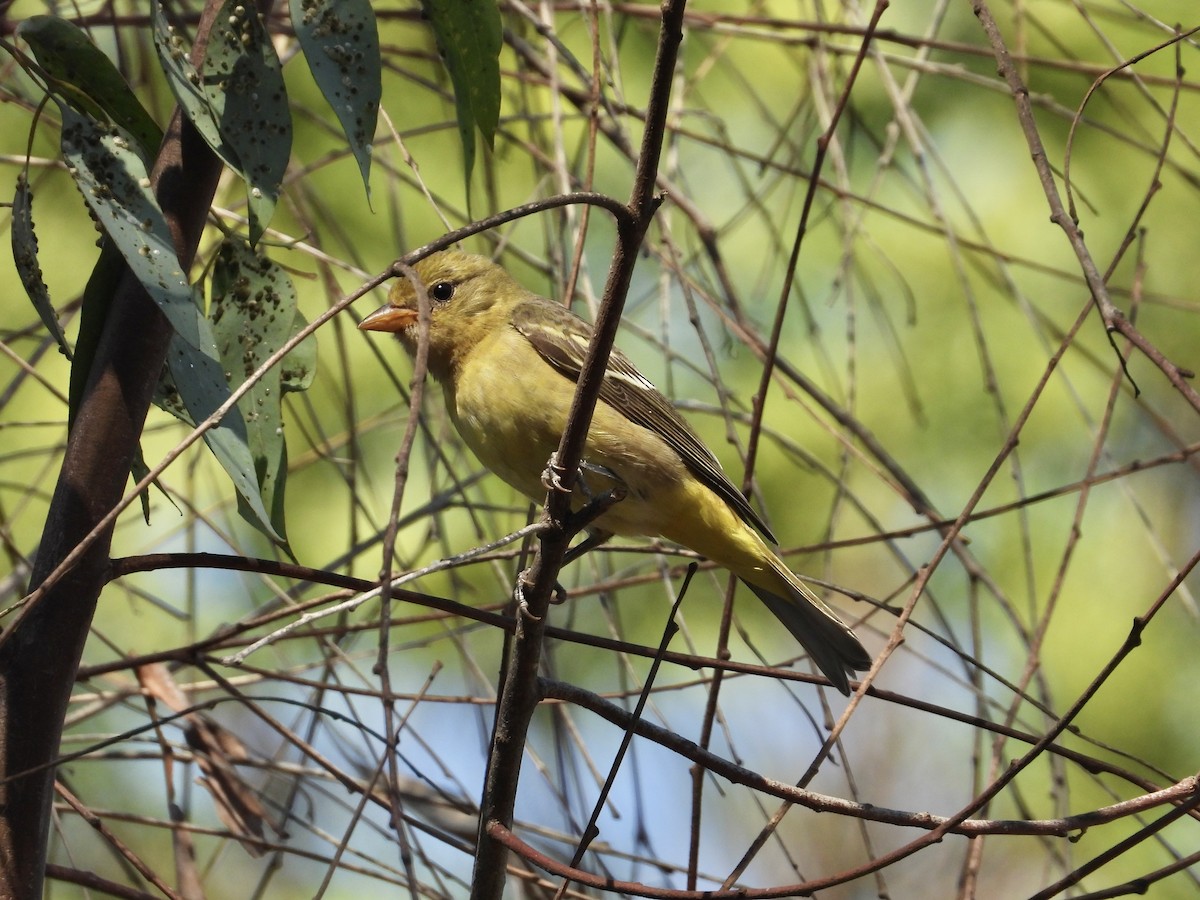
point(389, 318)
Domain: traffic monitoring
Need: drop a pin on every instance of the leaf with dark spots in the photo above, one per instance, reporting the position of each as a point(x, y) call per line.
point(341, 45)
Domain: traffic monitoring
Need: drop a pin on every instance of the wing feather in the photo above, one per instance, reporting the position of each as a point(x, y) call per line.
point(561, 339)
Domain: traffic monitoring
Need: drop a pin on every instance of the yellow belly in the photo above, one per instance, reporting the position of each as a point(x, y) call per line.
point(516, 444)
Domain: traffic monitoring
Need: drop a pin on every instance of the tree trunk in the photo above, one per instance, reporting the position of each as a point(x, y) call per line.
point(40, 652)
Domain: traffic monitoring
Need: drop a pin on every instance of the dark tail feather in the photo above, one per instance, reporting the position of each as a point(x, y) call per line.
point(832, 646)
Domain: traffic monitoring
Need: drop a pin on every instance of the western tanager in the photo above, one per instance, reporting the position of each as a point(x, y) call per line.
point(508, 361)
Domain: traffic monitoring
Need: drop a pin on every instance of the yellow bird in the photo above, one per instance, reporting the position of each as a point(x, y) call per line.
point(508, 361)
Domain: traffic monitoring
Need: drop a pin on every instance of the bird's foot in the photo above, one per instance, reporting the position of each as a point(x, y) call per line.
point(597, 505)
point(558, 595)
point(552, 475)
point(590, 468)
point(524, 581)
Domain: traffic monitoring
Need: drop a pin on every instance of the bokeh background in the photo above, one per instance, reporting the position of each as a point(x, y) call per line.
point(938, 335)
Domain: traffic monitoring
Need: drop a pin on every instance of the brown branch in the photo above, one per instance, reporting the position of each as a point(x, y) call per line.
point(1113, 318)
point(122, 849)
point(760, 399)
point(96, 883)
point(231, 636)
point(1117, 850)
point(518, 691)
point(1182, 792)
point(389, 755)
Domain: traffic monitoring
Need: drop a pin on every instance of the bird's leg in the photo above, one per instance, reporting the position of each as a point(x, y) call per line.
point(595, 506)
point(594, 539)
point(586, 468)
point(559, 595)
point(524, 581)
point(552, 475)
point(580, 519)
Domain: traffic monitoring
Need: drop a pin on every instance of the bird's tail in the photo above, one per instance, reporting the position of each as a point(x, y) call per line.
point(830, 643)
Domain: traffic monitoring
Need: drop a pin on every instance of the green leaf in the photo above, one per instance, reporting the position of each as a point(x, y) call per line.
point(237, 101)
point(253, 311)
point(113, 181)
point(185, 83)
point(202, 387)
point(299, 367)
point(470, 35)
point(242, 73)
point(83, 76)
point(25, 248)
point(341, 44)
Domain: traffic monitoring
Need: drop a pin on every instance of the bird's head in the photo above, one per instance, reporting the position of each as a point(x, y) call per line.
point(469, 297)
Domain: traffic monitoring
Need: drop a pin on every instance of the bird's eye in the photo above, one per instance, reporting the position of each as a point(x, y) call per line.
point(442, 291)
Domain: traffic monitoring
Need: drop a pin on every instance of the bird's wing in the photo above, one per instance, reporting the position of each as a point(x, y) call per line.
point(561, 339)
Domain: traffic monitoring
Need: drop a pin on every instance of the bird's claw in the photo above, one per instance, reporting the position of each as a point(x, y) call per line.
point(552, 475)
point(558, 595)
point(519, 597)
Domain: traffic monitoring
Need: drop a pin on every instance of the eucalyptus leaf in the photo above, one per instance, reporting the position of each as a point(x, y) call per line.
point(470, 34)
point(236, 100)
point(202, 387)
point(114, 183)
point(341, 44)
point(185, 83)
point(140, 470)
point(97, 298)
point(25, 248)
point(253, 311)
point(299, 367)
point(241, 73)
point(87, 79)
